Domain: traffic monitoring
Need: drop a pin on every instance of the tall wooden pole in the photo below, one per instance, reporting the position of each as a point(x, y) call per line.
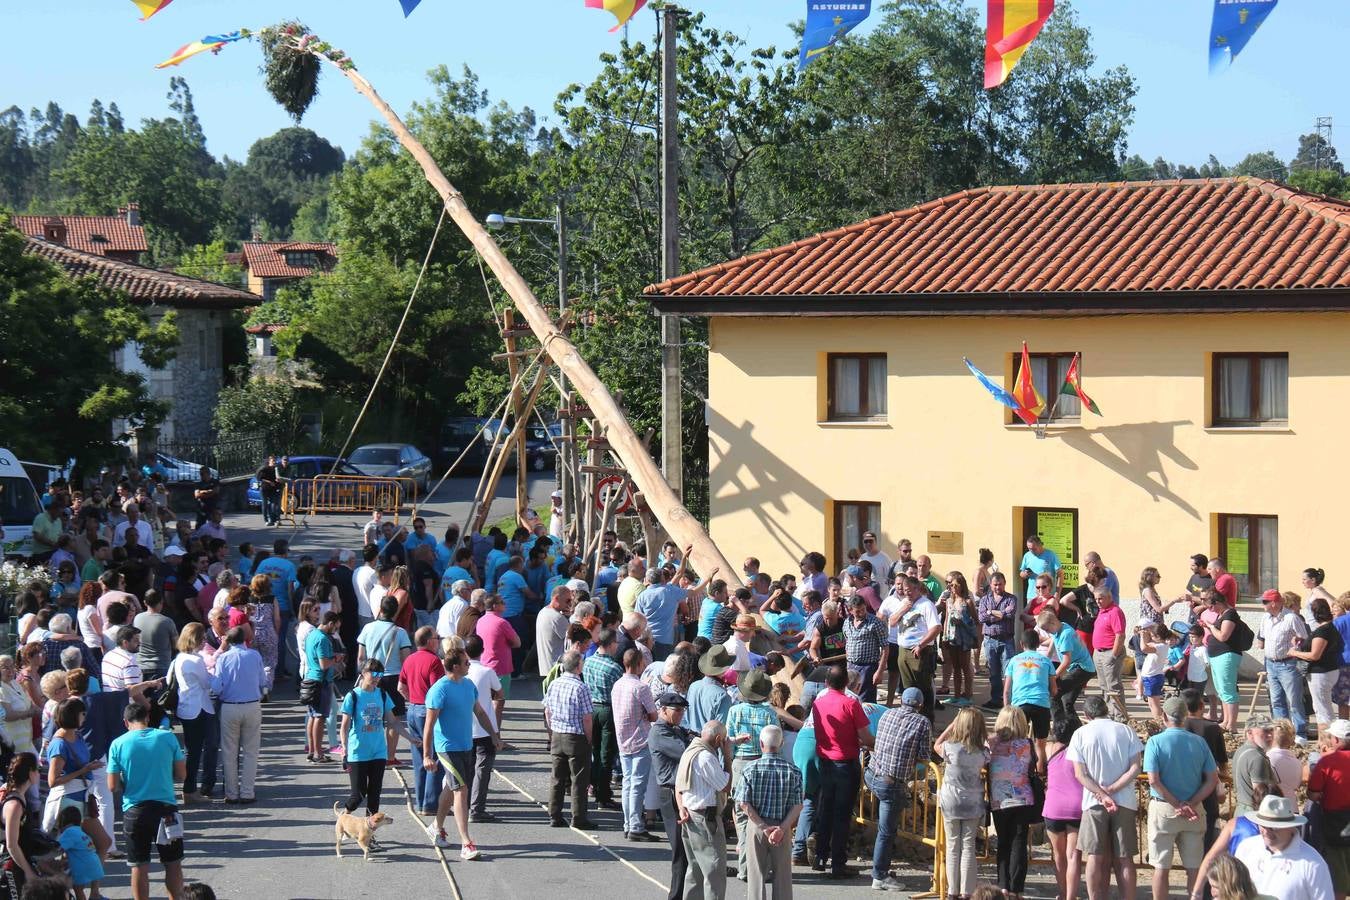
point(665, 503)
point(672, 407)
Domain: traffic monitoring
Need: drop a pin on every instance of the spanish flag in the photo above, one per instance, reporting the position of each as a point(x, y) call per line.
point(1013, 25)
point(1030, 403)
point(149, 7)
point(1073, 385)
point(623, 10)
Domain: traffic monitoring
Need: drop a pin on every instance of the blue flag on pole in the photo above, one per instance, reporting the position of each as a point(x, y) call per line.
point(408, 6)
point(826, 22)
point(1235, 21)
point(1001, 395)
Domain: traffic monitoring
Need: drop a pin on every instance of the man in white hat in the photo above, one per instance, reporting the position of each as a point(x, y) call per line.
point(557, 525)
point(1329, 784)
point(1280, 863)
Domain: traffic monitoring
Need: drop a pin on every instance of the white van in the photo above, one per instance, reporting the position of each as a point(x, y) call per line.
point(18, 506)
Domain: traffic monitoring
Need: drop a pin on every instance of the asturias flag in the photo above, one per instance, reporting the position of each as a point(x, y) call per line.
point(1012, 26)
point(623, 10)
point(1073, 385)
point(1235, 21)
point(826, 22)
point(149, 7)
point(1030, 403)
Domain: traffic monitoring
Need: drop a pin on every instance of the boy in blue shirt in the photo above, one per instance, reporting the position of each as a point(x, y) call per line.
point(144, 763)
point(1029, 686)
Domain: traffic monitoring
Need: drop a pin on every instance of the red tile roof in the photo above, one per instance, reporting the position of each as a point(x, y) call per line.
point(1009, 247)
point(92, 234)
point(142, 284)
point(266, 259)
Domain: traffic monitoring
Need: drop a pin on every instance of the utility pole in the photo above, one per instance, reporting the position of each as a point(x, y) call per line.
point(672, 432)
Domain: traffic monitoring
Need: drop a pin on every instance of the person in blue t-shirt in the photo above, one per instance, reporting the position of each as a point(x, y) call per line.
point(418, 537)
point(1075, 667)
point(514, 589)
point(285, 583)
point(320, 666)
point(711, 605)
point(789, 624)
point(1040, 560)
point(143, 764)
point(367, 712)
point(496, 560)
point(447, 737)
point(1029, 686)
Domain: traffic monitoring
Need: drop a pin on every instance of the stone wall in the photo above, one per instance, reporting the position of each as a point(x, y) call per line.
point(198, 371)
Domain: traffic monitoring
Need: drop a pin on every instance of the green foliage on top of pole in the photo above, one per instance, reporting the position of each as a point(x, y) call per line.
point(292, 73)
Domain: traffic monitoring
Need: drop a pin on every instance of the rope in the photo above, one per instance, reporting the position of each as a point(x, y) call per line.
point(398, 332)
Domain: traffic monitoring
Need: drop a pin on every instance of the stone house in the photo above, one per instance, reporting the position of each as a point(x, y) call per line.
point(206, 323)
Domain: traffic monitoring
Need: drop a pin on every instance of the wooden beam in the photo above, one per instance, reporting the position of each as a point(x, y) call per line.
point(603, 470)
point(512, 355)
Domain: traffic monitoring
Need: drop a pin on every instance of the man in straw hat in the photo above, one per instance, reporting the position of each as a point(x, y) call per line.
point(1280, 863)
point(708, 697)
point(744, 722)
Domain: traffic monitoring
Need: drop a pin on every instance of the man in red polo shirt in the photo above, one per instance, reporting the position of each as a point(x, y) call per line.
point(841, 732)
point(1329, 782)
point(420, 671)
point(1224, 583)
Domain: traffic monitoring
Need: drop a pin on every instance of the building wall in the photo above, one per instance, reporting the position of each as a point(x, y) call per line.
point(198, 371)
point(1147, 478)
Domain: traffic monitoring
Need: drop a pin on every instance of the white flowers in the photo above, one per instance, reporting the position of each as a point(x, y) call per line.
point(15, 576)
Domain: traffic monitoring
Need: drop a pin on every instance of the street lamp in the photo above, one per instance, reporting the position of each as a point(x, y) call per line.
point(496, 222)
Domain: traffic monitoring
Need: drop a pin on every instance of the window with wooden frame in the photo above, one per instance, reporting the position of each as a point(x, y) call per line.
point(1250, 389)
point(1047, 373)
point(856, 391)
point(853, 518)
point(1249, 546)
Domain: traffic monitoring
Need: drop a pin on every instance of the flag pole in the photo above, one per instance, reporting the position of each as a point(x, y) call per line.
point(1042, 426)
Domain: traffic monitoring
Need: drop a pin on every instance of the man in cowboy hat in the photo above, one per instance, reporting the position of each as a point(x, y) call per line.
point(708, 698)
point(744, 722)
point(1280, 863)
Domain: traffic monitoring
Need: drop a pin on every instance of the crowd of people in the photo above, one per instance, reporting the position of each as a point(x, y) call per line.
point(693, 708)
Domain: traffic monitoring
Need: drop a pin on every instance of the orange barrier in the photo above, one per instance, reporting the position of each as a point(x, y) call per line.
point(347, 494)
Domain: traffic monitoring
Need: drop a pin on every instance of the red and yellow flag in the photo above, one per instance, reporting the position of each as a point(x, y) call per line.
point(623, 10)
point(1073, 385)
point(1030, 403)
point(149, 7)
point(1013, 25)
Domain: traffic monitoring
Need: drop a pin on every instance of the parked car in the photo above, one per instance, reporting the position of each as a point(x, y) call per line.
point(540, 447)
point(302, 467)
point(177, 471)
point(456, 434)
point(394, 461)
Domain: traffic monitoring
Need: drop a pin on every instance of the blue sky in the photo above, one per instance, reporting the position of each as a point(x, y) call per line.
point(525, 51)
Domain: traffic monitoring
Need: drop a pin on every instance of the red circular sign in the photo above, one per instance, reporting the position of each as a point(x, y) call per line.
point(611, 484)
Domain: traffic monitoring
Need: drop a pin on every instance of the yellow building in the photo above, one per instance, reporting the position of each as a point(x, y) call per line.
point(1213, 320)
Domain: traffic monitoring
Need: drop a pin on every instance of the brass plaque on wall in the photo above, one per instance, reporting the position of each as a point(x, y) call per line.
point(946, 542)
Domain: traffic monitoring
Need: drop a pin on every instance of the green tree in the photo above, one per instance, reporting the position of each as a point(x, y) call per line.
point(58, 335)
point(1316, 153)
point(210, 262)
point(283, 172)
point(269, 405)
point(1262, 165)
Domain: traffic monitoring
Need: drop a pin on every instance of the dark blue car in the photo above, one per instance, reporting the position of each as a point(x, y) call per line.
point(303, 467)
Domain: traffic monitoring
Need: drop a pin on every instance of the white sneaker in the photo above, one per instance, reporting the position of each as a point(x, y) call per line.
point(432, 830)
point(886, 884)
point(468, 852)
point(442, 841)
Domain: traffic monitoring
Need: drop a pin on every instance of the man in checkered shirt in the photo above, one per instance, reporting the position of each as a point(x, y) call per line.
point(568, 713)
point(601, 672)
point(904, 739)
point(769, 793)
point(865, 646)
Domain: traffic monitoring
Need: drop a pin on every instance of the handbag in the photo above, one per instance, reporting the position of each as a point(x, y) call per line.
point(309, 691)
point(1035, 812)
point(168, 699)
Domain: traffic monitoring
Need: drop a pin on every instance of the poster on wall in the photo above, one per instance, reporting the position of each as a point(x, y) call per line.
point(1235, 555)
point(1056, 531)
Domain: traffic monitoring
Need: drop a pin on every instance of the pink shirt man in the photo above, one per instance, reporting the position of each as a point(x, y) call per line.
point(496, 633)
point(634, 710)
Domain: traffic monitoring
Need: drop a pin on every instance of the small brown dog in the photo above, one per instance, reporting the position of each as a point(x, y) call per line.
point(361, 830)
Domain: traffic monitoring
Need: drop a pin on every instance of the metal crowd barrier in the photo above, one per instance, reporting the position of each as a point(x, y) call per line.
point(922, 823)
point(347, 494)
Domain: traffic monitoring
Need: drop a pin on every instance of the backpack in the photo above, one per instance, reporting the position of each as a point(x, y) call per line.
point(1241, 638)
